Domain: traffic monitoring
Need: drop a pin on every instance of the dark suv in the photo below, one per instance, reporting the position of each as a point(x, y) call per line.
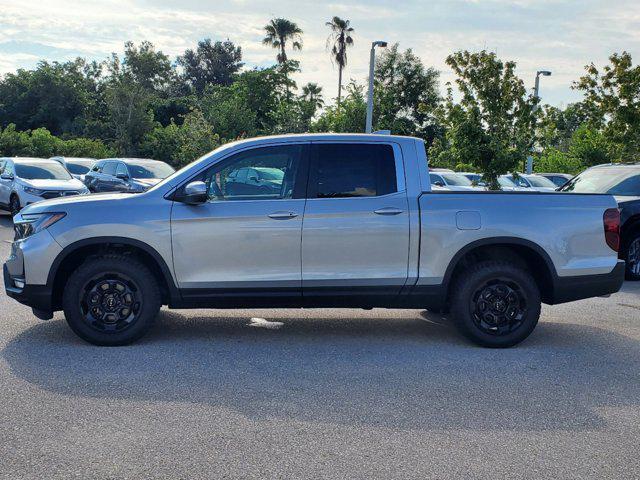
point(132, 175)
point(623, 182)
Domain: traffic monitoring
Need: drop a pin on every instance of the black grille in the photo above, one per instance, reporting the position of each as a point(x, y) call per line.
point(66, 193)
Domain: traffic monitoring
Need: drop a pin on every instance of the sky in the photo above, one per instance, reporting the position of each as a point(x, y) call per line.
point(561, 36)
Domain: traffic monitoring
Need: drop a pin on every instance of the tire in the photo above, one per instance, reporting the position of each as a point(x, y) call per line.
point(631, 255)
point(495, 304)
point(118, 314)
point(14, 205)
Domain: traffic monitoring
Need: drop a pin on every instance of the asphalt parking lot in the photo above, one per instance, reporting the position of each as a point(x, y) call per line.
point(322, 394)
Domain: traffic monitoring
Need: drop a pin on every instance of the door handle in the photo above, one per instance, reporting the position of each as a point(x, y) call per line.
point(388, 211)
point(282, 215)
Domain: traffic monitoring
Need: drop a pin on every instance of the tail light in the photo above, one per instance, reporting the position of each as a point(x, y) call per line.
point(611, 221)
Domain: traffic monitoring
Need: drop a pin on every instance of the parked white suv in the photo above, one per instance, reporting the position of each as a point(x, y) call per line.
point(24, 181)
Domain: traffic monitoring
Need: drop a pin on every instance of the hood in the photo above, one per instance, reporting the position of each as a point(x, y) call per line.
point(46, 184)
point(62, 202)
point(146, 182)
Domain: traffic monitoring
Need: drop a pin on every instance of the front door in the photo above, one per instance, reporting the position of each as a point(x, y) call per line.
point(245, 240)
point(355, 238)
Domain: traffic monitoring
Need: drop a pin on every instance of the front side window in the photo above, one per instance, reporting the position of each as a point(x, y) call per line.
point(436, 179)
point(265, 173)
point(150, 169)
point(354, 170)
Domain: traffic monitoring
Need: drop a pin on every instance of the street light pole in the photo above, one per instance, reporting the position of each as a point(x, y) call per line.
point(372, 63)
point(536, 94)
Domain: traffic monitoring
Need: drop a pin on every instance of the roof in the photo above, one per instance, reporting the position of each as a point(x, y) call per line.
point(30, 160)
point(127, 160)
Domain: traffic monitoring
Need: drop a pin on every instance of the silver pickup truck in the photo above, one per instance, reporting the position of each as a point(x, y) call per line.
point(313, 221)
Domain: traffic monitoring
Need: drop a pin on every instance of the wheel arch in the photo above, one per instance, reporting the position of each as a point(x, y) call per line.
point(524, 252)
point(76, 253)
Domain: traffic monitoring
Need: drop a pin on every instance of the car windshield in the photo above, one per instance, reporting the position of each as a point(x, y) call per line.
point(270, 173)
point(541, 182)
point(78, 168)
point(456, 179)
point(42, 171)
point(623, 181)
point(149, 169)
point(506, 182)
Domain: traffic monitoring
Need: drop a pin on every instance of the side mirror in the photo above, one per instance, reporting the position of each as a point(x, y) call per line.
point(438, 183)
point(122, 176)
point(6, 176)
point(195, 193)
point(253, 179)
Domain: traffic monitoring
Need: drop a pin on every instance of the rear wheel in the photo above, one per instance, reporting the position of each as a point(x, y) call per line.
point(631, 252)
point(14, 204)
point(495, 304)
point(111, 300)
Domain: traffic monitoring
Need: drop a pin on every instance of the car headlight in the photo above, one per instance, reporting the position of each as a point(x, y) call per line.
point(32, 191)
point(28, 224)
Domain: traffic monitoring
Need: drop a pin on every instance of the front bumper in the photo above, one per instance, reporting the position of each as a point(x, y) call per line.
point(37, 297)
point(568, 289)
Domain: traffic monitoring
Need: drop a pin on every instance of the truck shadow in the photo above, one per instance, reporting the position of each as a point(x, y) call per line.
point(399, 373)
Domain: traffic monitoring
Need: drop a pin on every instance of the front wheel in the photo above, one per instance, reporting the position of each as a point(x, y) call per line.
point(111, 300)
point(631, 252)
point(495, 304)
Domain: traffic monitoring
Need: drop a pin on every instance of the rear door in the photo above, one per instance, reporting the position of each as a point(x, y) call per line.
point(355, 235)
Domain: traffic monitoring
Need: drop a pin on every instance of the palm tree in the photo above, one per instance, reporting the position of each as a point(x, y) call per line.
point(278, 32)
point(312, 93)
point(339, 40)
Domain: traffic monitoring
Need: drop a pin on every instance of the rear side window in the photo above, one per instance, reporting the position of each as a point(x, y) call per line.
point(353, 170)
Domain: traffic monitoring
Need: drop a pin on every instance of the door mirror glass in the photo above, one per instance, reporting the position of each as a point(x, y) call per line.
point(194, 193)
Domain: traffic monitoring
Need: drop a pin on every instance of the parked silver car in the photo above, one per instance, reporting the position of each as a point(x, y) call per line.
point(24, 181)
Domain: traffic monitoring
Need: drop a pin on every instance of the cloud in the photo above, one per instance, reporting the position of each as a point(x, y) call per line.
point(562, 36)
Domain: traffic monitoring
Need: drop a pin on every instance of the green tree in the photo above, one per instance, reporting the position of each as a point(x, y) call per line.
point(556, 161)
point(613, 94)
point(278, 32)
point(492, 126)
point(349, 118)
point(211, 63)
point(129, 115)
point(339, 40)
point(149, 68)
point(180, 145)
point(54, 95)
point(406, 94)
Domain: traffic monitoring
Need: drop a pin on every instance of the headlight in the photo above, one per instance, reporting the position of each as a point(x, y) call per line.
point(33, 191)
point(29, 224)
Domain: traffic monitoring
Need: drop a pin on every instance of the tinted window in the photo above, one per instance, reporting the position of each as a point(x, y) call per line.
point(109, 168)
point(149, 169)
point(266, 173)
point(354, 170)
point(77, 168)
point(42, 171)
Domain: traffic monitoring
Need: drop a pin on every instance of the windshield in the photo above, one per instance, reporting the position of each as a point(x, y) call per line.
point(149, 169)
point(623, 181)
point(456, 179)
point(42, 171)
point(78, 168)
point(541, 182)
point(506, 182)
point(270, 173)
